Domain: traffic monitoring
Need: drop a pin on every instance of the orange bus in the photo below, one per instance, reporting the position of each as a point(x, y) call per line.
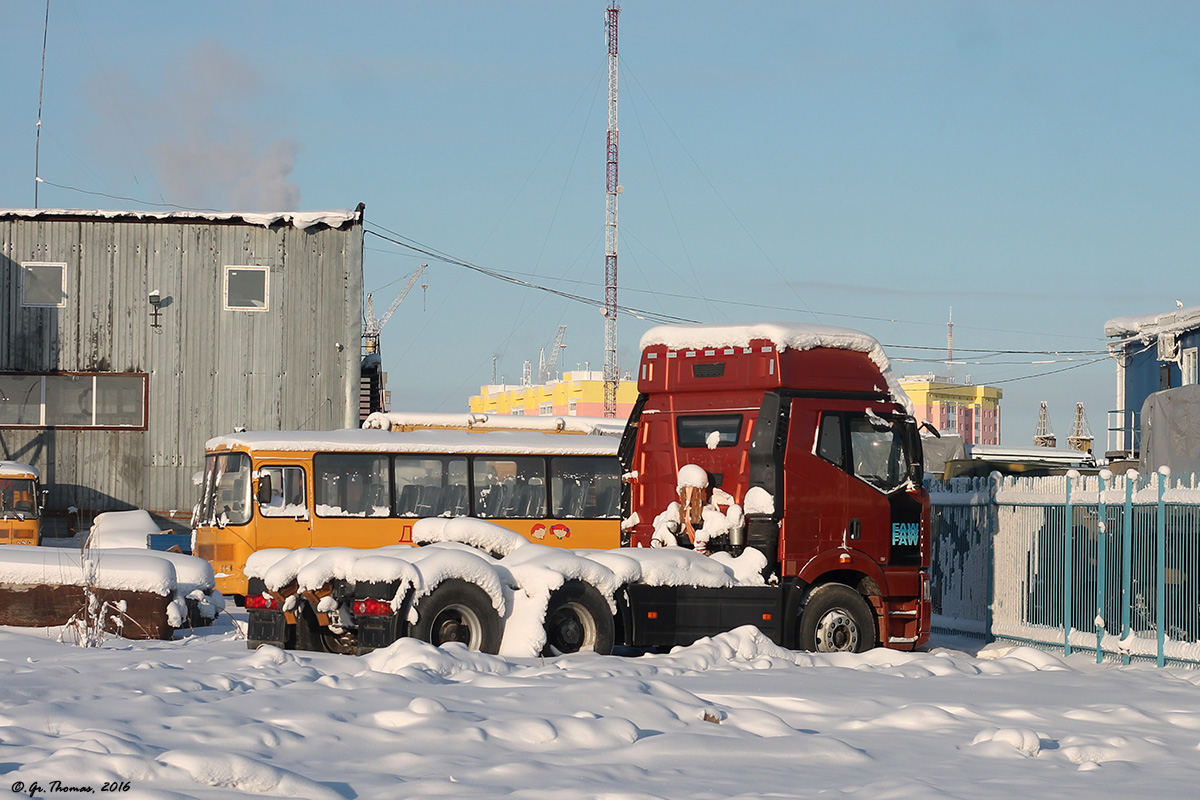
point(20, 504)
point(366, 488)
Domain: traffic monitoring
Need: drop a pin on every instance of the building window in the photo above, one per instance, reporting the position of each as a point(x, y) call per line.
point(1187, 365)
point(573, 407)
point(73, 401)
point(246, 288)
point(43, 285)
point(545, 409)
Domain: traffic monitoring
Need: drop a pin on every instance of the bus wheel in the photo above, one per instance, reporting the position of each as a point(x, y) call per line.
point(578, 618)
point(457, 611)
point(836, 619)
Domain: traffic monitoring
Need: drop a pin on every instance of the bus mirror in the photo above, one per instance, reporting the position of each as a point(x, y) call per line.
point(264, 489)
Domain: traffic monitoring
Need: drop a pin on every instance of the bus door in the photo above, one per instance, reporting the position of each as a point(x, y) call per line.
point(283, 518)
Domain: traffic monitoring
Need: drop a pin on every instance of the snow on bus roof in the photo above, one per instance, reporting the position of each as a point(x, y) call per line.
point(422, 441)
point(393, 420)
point(15, 469)
point(784, 336)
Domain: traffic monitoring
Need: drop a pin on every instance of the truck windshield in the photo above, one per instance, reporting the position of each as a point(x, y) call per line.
point(18, 498)
point(226, 494)
point(877, 451)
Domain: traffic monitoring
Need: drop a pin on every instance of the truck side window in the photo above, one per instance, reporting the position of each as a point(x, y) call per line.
point(878, 452)
point(709, 430)
point(829, 440)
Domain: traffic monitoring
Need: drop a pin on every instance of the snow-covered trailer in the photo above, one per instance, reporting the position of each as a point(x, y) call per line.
point(136, 593)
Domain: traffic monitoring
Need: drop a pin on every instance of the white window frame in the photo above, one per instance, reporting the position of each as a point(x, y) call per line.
point(62, 269)
point(1187, 366)
point(266, 306)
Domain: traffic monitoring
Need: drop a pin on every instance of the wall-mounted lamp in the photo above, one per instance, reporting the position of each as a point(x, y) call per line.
point(155, 304)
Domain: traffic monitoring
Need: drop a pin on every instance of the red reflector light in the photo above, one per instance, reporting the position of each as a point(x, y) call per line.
point(372, 608)
point(766, 617)
point(651, 615)
point(261, 602)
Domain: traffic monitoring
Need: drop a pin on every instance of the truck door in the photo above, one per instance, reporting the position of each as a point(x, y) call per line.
point(879, 461)
point(815, 484)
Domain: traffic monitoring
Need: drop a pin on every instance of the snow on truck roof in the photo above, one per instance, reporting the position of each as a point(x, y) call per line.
point(422, 441)
point(15, 469)
point(784, 336)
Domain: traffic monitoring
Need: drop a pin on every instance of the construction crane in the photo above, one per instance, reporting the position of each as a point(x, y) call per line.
point(1044, 437)
point(373, 327)
point(546, 366)
point(1081, 435)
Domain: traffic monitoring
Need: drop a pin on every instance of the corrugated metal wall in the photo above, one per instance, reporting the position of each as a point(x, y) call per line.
point(210, 370)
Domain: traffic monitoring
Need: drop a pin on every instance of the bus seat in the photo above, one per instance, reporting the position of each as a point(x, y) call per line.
point(456, 500)
point(430, 503)
point(406, 505)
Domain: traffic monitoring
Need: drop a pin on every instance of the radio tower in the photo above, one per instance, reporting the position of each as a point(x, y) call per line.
point(950, 344)
point(611, 375)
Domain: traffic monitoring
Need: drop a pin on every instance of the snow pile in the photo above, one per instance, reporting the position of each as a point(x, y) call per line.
point(122, 529)
point(144, 571)
point(729, 716)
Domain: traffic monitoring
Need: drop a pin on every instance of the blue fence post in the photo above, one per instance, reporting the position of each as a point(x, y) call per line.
point(1068, 582)
point(1127, 561)
point(1160, 569)
point(1101, 567)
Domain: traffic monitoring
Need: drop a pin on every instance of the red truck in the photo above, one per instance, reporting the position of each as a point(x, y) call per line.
point(807, 431)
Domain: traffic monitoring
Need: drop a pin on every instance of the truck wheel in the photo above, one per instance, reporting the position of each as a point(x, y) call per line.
point(578, 618)
point(457, 611)
point(836, 619)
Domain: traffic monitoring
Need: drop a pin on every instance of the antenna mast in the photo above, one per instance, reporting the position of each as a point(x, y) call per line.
point(37, 145)
point(950, 344)
point(611, 375)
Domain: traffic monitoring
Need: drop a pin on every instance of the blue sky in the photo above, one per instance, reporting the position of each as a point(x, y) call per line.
point(865, 164)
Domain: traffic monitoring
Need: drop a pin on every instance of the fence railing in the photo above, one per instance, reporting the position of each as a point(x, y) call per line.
point(1103, 563)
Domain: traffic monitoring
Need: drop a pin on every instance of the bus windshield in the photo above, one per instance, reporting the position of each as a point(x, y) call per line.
point(18, 498)
point(226, 495)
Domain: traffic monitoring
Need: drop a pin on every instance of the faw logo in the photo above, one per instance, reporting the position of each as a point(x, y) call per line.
point(905, 534)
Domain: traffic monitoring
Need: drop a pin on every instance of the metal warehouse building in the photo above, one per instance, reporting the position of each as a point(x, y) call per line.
point(127, 339)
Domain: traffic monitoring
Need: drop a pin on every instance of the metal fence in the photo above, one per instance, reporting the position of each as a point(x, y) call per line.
point(1120, 579)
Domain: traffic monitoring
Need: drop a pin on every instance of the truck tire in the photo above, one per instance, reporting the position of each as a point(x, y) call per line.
point(836, 619)
point(578, 618)
point(457, 611)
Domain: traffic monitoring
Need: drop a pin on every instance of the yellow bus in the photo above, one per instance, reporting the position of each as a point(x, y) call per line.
point(20, 504)
point(366, 488)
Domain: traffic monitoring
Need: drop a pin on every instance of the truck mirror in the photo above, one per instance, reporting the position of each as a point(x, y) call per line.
point(264, 489)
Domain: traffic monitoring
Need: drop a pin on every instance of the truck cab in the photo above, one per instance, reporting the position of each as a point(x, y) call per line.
point(804, 429)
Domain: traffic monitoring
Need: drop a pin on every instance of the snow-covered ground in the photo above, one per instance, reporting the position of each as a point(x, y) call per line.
point(731, 717)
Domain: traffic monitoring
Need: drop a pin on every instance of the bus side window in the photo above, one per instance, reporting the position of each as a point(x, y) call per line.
point(352, 485)
point(287, 492)
point(585, 487)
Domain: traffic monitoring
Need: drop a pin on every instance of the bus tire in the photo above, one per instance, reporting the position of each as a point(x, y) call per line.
point(457, 611)
point(836, 619)
point(578, 619)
